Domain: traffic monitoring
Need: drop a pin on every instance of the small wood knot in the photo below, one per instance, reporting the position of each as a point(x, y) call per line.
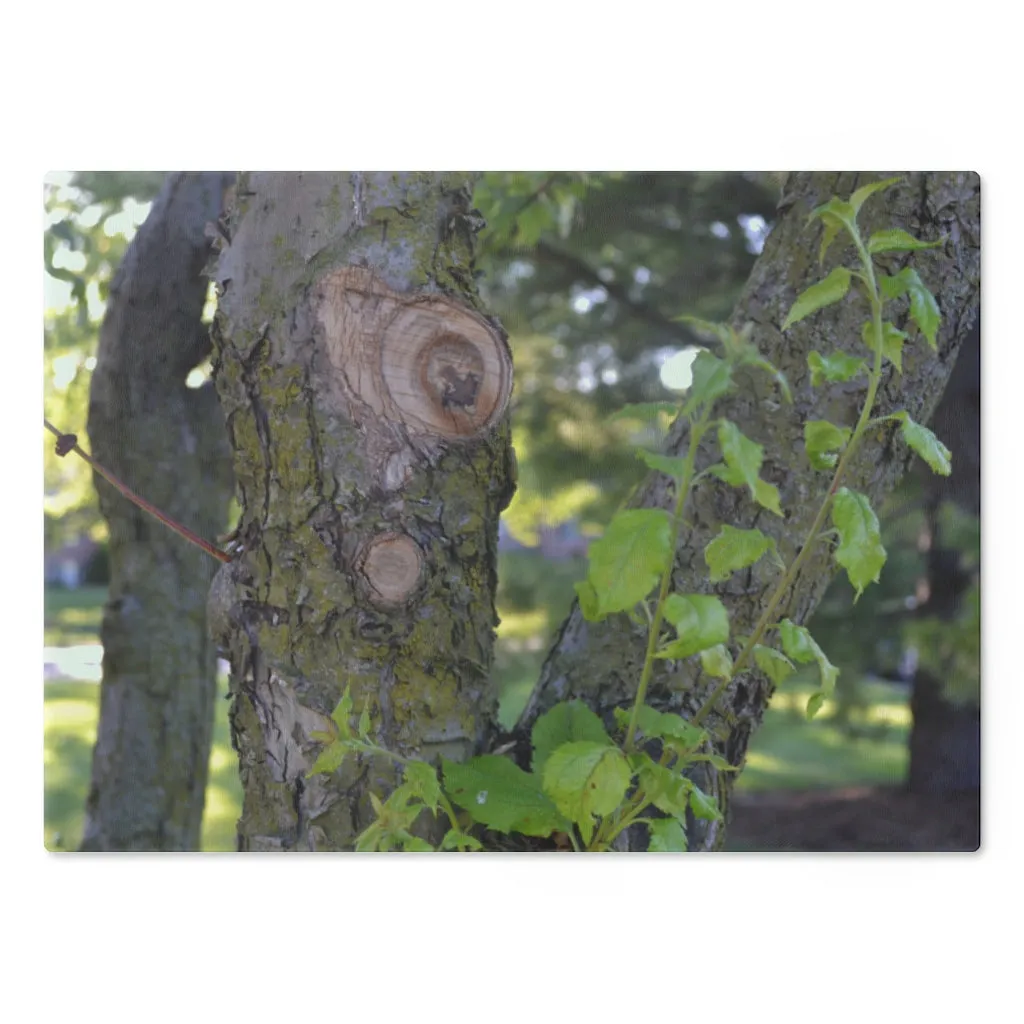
point(65, 443)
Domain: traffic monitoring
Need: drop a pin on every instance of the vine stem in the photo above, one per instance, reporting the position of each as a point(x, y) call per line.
point(863, 421)
point(69, 443)
point(683, 485)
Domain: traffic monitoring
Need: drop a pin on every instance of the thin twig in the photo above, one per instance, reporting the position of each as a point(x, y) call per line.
point(69, 443)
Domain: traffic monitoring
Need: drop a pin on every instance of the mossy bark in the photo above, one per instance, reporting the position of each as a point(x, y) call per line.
point(365, 394)
point(600, 663)
point(167, 442)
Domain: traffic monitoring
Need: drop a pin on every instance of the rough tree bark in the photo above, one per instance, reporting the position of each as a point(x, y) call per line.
point(365, 395)
point(601, 663)
point(167, 442)
point(366, 400)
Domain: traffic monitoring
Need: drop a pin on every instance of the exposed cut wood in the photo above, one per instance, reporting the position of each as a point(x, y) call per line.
point(424, 361)
point(391, 565)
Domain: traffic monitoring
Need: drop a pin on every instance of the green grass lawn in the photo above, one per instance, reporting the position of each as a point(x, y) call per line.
point(786, 753)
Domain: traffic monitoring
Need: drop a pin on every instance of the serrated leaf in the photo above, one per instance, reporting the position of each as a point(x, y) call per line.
point(586, 779)
point(590, 607)
point(824, 293)
point(734, 549)
point(798, 643)
point(712, 378)
point(897, 240)
point(455, 838)
point(647, 412)
point(821, 440)
point(666, 836)
point(671, 465)
point(665, 725)
point(924, 310)
point(700, 621)
point(723, 332)
point(499, 794)
point(328, 760)
point(364, 721)
point(775, 665)
point(627, 562)
point(860, 550)
point(892, 341)
point(703, 806)
point(814, 703)
point(342, 713)
point(741, 454)
point(839, 366)
point(926, 444)
point(858, 197)
point(421, 778)
point(568, 722)
point(830, 228)
point(835, 211)
point(667, 790)
point(767, 496)
point(717, 662)
point(414, 844)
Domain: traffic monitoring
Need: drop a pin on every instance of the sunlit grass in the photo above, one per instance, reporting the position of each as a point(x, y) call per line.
point(71, 712)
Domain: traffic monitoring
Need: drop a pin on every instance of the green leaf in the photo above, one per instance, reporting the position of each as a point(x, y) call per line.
point(671, 465)
point(700, 621)
point(897, 240)
point(716, 761)
point(743, 458)
point(822, 439)
point(723, 332)
point(568, 722)
point(364, 720)
point(814, 703)
point(775, 665)
point(455, 838)
point(712, 378)
point(703, 806)
point(924, 310)
point(824, 293)
point(926, 444)
point(590, 607)
point(839, 366)
point(586, 779)
point(860, 550)
point(421, 778)
point(500, 795)
point(752, 358)
point(414, 844)
point(666, 789)
point(798, 643)
point(735, 549)
point(342, 713)
point(892, 341)
point(858, 197)
point(667, 836)
point(836, 212)
point(328, 760)
point(717, 661)
point(627, 562)
point(655, 725)
point(647, 412)
point(830, 228)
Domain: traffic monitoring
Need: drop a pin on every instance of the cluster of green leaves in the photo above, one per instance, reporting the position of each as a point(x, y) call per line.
point(583, 783)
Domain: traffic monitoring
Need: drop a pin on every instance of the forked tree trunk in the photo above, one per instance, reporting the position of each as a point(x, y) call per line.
point(167, 443)
point(601, 663)
point(366, 400)
point(365, 394)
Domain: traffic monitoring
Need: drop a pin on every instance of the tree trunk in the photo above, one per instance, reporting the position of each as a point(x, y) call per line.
point(365, 394)
point(167, 442)
point(366, 398)
point(601, 663)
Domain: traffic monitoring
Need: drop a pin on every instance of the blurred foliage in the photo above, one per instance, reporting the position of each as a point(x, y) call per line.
point(587, 272)
point(89, 218)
